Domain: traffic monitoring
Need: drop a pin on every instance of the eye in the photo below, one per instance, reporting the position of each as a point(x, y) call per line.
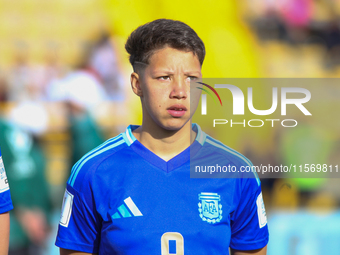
point(192, 78)
point(163, 78)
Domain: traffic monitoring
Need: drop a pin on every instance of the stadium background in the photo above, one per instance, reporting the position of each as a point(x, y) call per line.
point(44, 43)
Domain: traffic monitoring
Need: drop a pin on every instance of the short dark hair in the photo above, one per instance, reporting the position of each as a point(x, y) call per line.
point(155, 35)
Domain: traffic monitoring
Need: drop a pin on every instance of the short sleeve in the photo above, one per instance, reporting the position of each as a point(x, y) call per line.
point(249, 230)
point(5, 202)
point(79, 225)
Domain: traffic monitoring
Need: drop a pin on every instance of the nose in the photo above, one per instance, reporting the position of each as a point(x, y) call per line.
point(179, 89)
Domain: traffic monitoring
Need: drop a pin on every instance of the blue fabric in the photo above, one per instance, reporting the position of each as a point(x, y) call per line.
point(5, 196)
point(126, 200)
point(172, 247)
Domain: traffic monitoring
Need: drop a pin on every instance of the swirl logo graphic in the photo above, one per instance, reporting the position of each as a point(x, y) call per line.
point(209, 93)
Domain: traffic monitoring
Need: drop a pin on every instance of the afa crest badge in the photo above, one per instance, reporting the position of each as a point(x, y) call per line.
point(209, 208)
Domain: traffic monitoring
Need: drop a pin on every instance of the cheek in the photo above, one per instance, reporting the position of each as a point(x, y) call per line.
point(154, 100)
point(194, 100)
point(195, 96)
point(157, 98)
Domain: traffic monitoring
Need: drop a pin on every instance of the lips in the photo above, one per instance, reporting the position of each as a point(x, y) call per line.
point(177, 110)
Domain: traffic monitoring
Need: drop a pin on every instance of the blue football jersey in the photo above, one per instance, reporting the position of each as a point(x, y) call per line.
point(5, 196)
point(121, 198)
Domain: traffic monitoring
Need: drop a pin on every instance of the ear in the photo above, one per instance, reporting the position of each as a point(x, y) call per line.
point(135, 84)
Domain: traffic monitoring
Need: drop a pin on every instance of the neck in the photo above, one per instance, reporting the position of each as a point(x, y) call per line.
point(165, 143)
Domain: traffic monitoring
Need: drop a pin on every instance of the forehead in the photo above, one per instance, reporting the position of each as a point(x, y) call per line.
point(168, 56)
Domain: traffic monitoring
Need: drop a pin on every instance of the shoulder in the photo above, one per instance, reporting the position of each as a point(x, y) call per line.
point(87, 166)
point(220, 154)
point(218, 147)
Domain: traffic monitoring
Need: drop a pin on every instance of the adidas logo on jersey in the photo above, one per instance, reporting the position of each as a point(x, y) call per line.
point(128, 209)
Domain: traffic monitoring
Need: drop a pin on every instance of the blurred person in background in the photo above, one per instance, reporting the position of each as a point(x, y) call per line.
point(296, 15)
point(20, 73)
point(5, 206)
point(83, 84)
point(3, 88)
point(28, 81)
point(82, 91)
point(85, 133)
point(25, 163)
point(331, 35)
point(104, 61)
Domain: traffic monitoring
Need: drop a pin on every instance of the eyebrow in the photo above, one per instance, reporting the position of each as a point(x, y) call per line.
point(163, 72)
point(193, 72)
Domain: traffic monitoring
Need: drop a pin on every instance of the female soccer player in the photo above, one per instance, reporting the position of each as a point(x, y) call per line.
point(5, 206)
point(134, 195)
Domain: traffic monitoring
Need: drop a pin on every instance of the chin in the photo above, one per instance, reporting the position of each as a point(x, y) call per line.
point(175, 125)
